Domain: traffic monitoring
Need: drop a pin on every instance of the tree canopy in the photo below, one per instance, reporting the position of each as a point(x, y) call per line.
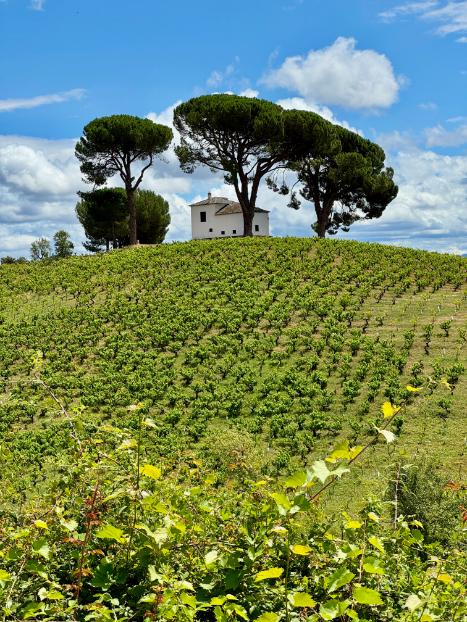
point(340, 172)
point(63, 245)
point(241, 136)
point(116, 145)
point(40, 249)
point(104, 217)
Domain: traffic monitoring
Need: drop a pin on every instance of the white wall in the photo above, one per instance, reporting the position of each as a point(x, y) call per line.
point(227, 223)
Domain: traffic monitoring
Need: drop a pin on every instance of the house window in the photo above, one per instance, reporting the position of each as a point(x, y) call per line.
point(234, 231)
point(256, 227)
point(210, 230)
point(202, 216)
point(222, 232)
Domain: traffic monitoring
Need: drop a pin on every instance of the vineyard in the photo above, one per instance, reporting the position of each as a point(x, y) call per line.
point(164, 416)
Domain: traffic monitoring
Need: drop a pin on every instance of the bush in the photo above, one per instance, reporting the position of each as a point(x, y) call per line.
point(424, 494)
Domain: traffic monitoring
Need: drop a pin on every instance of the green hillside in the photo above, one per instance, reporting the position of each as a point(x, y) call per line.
point(248, 358)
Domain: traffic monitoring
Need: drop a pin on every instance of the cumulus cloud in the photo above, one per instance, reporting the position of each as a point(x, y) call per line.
point(339, 75)
point(451, 17)
point(249, 93)
point(7, 105)
point(439, 136)
point(429, 211)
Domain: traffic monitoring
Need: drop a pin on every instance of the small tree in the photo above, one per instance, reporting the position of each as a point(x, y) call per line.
point(340, 172)
point(242, 137)
point(40, 249)
point(7, 260)
point(63, 244)
point(113, 145)
point(153, 217)
point(104, 218)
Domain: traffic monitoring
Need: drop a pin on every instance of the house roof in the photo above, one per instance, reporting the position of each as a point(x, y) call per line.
point(226, 206)
point(235, 208)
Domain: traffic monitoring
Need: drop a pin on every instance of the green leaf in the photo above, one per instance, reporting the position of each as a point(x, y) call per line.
point(69, 525)
point(353, 524)
point(40, 524)
point(412, 602)
point(41, 547)
point(296, 480)
point(54, 595)
point(282, 501)
point(301, 599)
point(211, 557)
point(36, 568)
point(272, 573)
point(329, 610)
point(239, 610)
point(102, 576)
point(373, 565)
point(367, 596)
point(188, 599)
point(150, 471)
point(377, 543)
point(128, 443)
point(31, 609)
point(300, 549)
point(109, 532)
point(341, 577)
point(320, 470)
point(341, 452)
point(339, 472)
point(268, 617)
point(4, 575)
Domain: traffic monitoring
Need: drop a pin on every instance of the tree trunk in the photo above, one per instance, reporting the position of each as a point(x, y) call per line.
point(130, 196)
point(247, 225)
point(321, 227)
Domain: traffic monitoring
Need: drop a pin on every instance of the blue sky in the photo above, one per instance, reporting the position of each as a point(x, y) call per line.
point(394, 71)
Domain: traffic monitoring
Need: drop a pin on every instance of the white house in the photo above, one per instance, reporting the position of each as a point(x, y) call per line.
point(218, 217)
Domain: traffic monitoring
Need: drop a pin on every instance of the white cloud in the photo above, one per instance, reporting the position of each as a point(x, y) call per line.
point(439, 136)
point(217, 76)
point(37, 5)
point(409, 8)
point(249, 93)
point(429, 211)
point(451, 17)
point(339, 75)
point(428, 106)
point(7, 105)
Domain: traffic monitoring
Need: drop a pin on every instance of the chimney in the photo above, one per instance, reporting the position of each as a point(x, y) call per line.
point(209, 196)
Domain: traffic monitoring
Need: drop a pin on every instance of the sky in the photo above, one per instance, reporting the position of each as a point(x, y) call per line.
point(394, 71)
